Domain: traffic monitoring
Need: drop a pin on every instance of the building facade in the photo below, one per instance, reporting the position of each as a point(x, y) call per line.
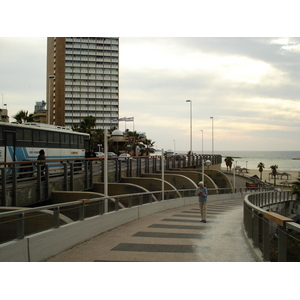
point(83, 80)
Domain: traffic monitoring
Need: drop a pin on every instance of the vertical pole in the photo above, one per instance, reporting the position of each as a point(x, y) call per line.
point(162, 175)
point(105, 172)
point(202, 169)
point(212, 138)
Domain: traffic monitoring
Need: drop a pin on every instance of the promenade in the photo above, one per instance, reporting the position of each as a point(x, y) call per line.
point(174, 235)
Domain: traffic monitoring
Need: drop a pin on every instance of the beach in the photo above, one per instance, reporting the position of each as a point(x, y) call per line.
point(265, 175)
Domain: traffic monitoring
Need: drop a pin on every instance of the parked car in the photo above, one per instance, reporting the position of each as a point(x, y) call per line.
point(99, 154)
point(124, 156)
point(112, 154)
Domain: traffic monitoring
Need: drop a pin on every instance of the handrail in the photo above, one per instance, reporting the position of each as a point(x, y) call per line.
point(16, 221)
point(268, 230)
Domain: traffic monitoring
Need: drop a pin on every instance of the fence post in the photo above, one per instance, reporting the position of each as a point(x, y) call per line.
point(256, 229)
point(71, 176)
point(39, 182)
point(3, 183)
point(14, 185)
point(56, 217)
point(281, 244)
point(266, 241)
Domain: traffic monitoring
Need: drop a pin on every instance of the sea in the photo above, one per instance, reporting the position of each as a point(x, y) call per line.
point(285, 160)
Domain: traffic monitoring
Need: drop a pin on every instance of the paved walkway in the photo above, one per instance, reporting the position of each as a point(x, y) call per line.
point(174, 235)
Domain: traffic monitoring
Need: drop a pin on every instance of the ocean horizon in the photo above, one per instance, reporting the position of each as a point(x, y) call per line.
point(285, 160)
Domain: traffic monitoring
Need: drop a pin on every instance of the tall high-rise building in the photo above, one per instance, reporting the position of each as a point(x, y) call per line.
point(83, 80)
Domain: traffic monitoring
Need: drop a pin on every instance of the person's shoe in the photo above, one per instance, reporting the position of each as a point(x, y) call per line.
point(204, 221)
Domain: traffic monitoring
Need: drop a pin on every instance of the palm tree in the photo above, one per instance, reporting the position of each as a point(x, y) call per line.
point(296, 188)
point(21, 116)
point(274, 172)
point(228, 160)
point(147, 147)
point(261, 167)
point(134, 139)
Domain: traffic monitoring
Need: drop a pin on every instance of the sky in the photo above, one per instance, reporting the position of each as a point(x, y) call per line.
point(244, 91)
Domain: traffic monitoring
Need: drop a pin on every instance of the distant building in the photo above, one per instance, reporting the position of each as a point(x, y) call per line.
point(83, 80)
point(40, 114)
point(39, 106)
point(4, 115)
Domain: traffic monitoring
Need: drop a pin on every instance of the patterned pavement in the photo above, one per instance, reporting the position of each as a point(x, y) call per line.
point(174, 235)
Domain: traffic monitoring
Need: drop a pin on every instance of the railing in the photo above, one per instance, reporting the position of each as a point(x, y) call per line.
point(13, 174)
point(276, 236)
point(16, 224)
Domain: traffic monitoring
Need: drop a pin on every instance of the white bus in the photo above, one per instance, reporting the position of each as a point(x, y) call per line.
point(22, 142)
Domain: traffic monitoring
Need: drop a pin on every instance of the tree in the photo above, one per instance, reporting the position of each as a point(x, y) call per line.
point(86, 125)
point(296, 188)
point(261, 167)
point(274, 172)
point(228, 160)
point(134, 139)
point(147, 147)
point(21, 116)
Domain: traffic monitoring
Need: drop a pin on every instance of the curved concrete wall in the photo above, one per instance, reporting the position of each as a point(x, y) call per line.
point(151, 184)
point(196, 177)
point(180, 182)
point(220, 179)
point(115, 189)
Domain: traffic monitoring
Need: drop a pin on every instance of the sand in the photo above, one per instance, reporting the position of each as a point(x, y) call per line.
point(265, 175)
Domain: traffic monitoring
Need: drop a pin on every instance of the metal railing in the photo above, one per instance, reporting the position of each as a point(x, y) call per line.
point(276, 236)
point(18, 223)
point(39, 173)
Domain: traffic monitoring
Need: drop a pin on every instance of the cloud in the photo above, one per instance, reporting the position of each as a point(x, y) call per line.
point(249, 85)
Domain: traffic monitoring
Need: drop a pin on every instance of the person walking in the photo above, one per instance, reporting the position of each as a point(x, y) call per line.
point(42, 157)
point(201, 192)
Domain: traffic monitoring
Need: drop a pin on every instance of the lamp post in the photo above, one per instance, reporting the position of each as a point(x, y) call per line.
point(212, 136)
point(162, 175)
point(117, 136)
point(49, 96)
point(190, 125)
point(202, 141)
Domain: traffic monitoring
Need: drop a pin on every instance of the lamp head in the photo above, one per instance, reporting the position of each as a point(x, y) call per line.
point(117, 135)
point(208, 162)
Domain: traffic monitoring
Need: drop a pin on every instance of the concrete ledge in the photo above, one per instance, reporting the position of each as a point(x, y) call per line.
point(16, 251)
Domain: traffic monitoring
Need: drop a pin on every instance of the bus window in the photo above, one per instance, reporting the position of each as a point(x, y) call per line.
point(27, 135)
point(74, 141)
point(43, 136)
point(36, 136)
point(64, 137)
point(56, 137)
point(50, 137)
point(20, 134)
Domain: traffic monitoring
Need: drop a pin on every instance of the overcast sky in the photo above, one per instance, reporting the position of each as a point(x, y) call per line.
point(250, 86)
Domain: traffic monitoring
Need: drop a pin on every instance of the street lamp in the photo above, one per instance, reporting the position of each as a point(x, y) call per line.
point(202, 141)
point(117, 136)
point(49, 96)
point(190, 125)
point(212, 136)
